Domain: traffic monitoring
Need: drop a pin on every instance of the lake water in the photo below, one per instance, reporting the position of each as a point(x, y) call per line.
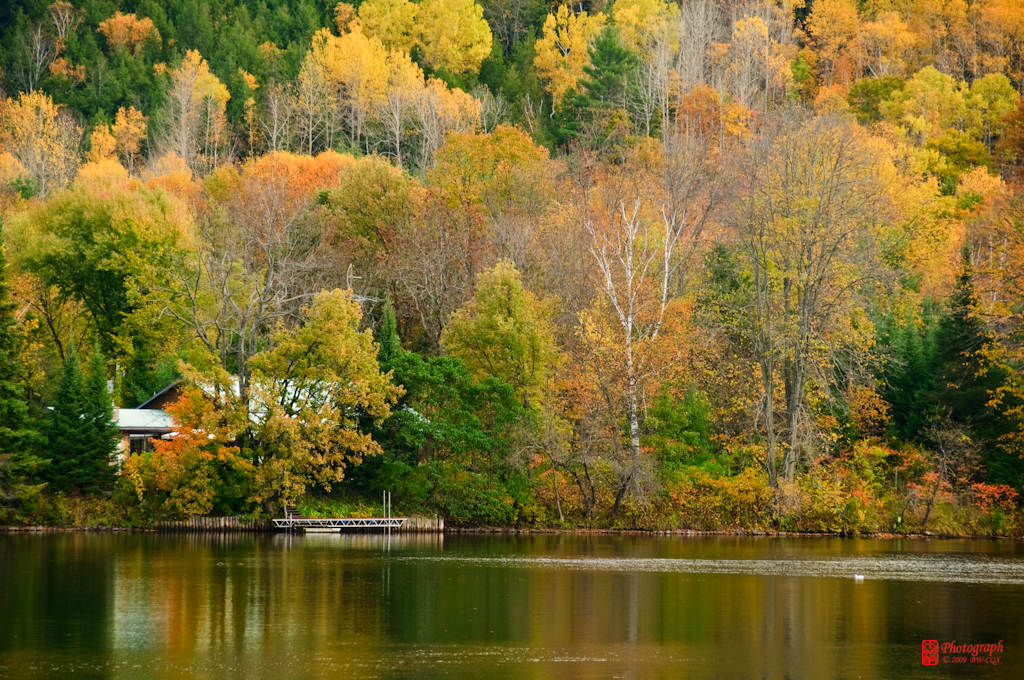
point(481, 607)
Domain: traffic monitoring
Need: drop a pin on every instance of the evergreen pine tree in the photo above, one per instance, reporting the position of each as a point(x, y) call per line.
point(81, 436)
point(961, 338)
point(911, 377)
point(389, 345)
point(19, 438)
point(97, 469)
point(608, 75)
point(969, 378)
point(65, 428)
point(599, 108)
point(941, 375)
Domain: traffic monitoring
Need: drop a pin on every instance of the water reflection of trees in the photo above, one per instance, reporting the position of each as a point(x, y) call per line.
point(348, 606)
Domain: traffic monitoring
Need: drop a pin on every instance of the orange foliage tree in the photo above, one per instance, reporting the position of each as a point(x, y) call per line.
point(297, 424)
point(644, 222)
point(128, 31)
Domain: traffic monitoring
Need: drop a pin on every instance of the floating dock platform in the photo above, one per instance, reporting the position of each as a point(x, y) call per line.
point(339, 524)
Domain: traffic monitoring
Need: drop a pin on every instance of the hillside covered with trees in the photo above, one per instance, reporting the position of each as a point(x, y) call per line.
point(637, 263)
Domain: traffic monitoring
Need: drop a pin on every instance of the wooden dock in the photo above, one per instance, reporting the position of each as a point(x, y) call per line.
point(203, 524)
point(339, 524)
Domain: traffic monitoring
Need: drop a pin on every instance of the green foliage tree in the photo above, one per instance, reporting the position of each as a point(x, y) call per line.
point(102, 245)
point(19, 436)
point(504, 332)
point(599, 108)
point(607, 80)
point(310, 388)
point(867, 94)
point(388, 343)
point(941, 377)
point(81, 435)
point(910, 375)
point(969, 379)
point(446, 445)
point(679, 430)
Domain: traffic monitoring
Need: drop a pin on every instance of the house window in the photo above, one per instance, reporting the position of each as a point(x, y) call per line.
point(139, 443)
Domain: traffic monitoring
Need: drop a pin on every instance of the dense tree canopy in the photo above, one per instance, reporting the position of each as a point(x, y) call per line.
point(633, 263)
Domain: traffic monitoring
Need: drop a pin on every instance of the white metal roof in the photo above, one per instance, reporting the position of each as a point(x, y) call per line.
point(143, 419)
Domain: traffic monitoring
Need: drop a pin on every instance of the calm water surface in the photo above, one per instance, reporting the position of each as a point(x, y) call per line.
point(322, 606)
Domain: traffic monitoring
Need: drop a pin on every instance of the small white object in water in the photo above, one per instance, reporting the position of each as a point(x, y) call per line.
point(858, 577)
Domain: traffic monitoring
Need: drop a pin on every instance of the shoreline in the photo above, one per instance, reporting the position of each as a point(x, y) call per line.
point(738, 533)
point(527, 531)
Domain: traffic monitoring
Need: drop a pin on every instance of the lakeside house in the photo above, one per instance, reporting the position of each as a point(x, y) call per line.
point(145, 422)
point(149, 420)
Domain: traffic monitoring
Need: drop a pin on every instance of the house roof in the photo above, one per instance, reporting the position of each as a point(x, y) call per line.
point(159, 394)
point(143, 419)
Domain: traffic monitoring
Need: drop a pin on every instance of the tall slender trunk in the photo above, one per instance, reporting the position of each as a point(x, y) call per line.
point(554, 487)
point(767, 378)
point(633, 408)
point(621, 493)
point(935, 492)
point(794, 398)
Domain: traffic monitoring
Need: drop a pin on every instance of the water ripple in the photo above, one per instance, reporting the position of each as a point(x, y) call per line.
point(940, 568)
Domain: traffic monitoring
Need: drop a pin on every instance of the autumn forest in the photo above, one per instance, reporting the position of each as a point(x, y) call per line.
point(647, 264)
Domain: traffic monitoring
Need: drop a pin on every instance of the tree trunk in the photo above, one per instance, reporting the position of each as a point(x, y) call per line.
point(554, 487)
point(621, 494)
point(633, 407)
point(794, 397)
point(931, 502)
point(769, 425)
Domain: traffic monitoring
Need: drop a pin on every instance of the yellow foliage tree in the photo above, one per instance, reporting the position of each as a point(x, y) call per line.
point(123, 138)
point(453, 35)
point(104, 172)
point(505, 331)
point(129, 129)
point(298, 423)
point(42, 137)
point(756, 65)
point(562, 49)
point(342, 80)
point(1000, 26)
point(128, 31)
point(833, 27)
point(442, 111)
point(498, 170)
point(197, 101)
point(510, 178)
point(393, 22)
point(641, 22)
point(404, 89)
point(943, 34)
point(172, 175)
point(311, 387)
point(885, 43)
point(10, 168)
point(102, 145)
point(359, 63)
point(820, 192)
